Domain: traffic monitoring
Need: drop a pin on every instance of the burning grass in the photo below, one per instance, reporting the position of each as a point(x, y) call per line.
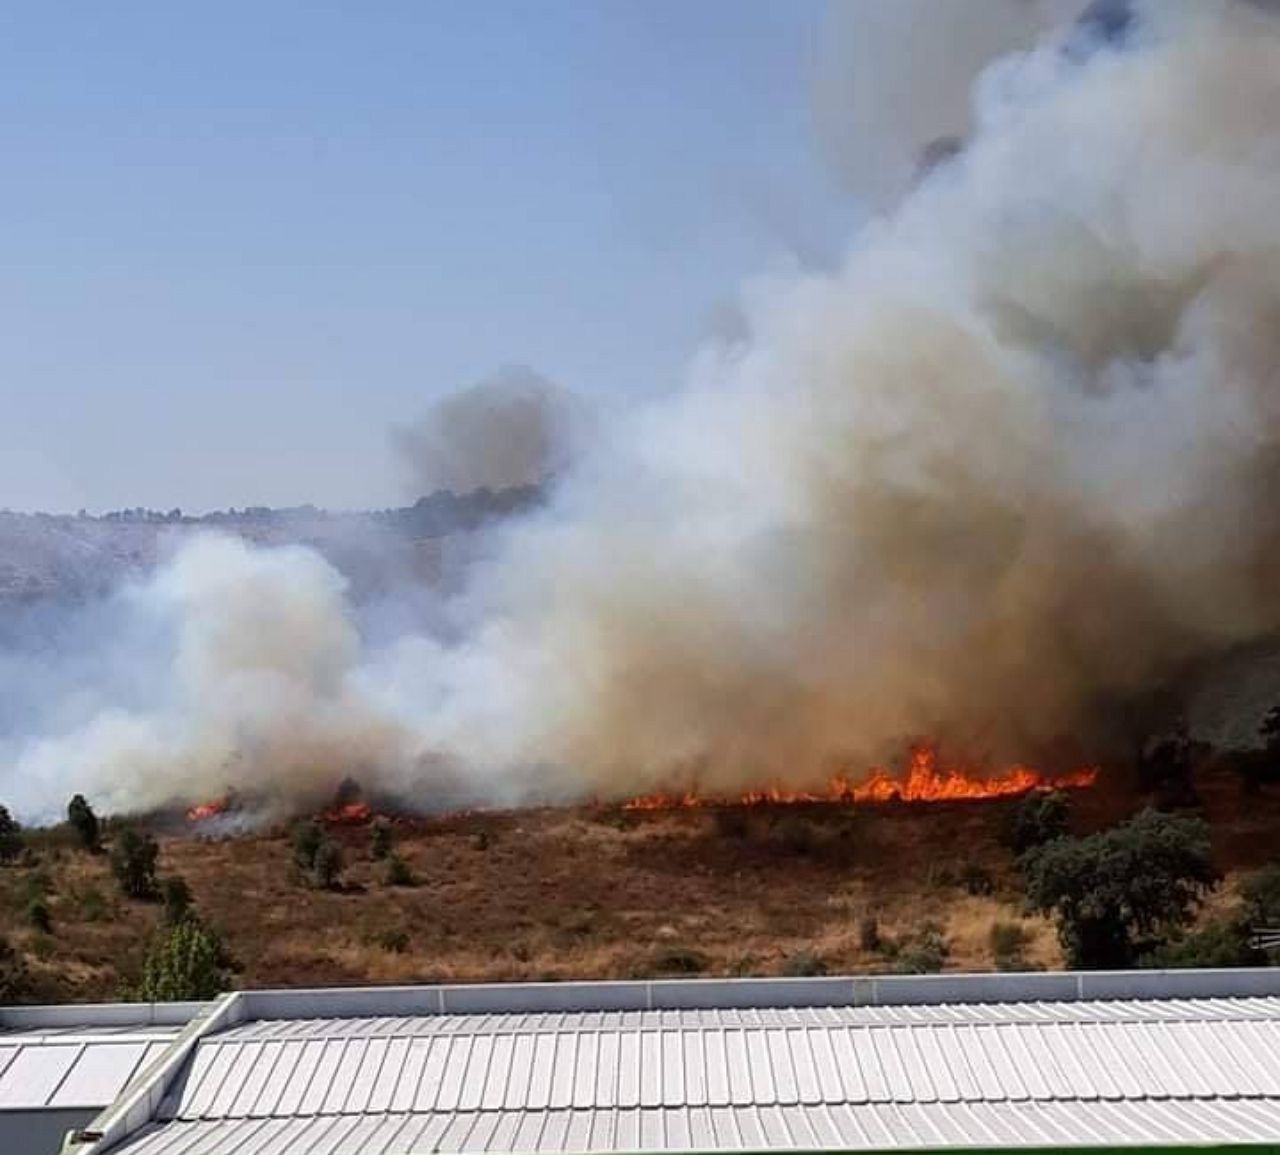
point(925, 780)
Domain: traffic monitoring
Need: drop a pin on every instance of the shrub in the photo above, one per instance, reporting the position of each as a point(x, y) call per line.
point(924, 953)
point(380, 840)
point(93, 906)
point(133, 862)
point(1008, 942)
point(803, 964)
point(176, 896)
point(11, 844)
point(186, 961)
point(394, 940)
point(38, 916)
point(398, 872)
point(1222, 943)
point(481, 841)
point(679, 960)
point(1261, 894)
point(308, 837)
point(1038, 818)
point(794, 834)
point(326, 867)
point(977, 880)
point(14, 980)
point(1116, 893)
point(84, 822)
point(730, 822)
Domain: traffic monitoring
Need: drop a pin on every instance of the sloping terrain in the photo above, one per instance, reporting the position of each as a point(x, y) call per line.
point(590, 893)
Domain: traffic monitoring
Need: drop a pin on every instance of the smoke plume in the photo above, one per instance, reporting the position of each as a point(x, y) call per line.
point(515, 428)
point(1013, 462)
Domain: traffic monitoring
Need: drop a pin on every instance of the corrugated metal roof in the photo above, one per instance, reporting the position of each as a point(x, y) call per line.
point(1122, 1072)
point(875, 1127)
point(66, 1067)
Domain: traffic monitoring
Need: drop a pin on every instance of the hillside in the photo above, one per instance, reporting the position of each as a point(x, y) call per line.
point(588, 893)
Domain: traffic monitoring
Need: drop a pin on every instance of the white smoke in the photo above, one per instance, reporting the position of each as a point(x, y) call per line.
point(1013, 461)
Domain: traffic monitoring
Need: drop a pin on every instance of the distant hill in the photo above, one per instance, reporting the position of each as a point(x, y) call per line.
point(73, 556)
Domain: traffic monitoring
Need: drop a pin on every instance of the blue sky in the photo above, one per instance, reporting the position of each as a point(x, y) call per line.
point(238, 242)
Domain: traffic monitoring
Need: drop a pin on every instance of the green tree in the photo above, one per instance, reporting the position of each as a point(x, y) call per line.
point(38, 915)
point(84, 822)
point(326, 869)
point(133, 862)
point(398, 872)
point(11, 843)
point(176, 896)
point(380, 840)
point(14, 979)
point(1117, 894)
point(1038, 818)
point(307, 840)
point(186, 961)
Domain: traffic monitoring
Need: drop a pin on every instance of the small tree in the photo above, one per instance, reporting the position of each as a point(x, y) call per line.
point(38, 916)
point(307, 840)
point(326, 869)
point(186, 961)
point(176, 896)
point(84, 822)
point(1117, 893)
point(1038, 818)
point(133, 862)
point(11, 843)
point(398, 872)
point(380, 840)
point(14, 979)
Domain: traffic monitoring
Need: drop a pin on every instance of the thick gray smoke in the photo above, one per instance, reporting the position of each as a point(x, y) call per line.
point(1015, 460)
point(515, 428)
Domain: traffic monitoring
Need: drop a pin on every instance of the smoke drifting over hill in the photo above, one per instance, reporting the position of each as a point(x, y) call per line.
point(1015, 459)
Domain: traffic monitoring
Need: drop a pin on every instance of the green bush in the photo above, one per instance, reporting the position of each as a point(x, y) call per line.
point(186, 961)
point(977, 880)
point(307, 839)
point(1008, 942)
point(380, 840)
point(1222, 943)
point(38, 916)
point(11, 844)
point(1117, 894)
point(679, 960)
point(84, 822)
point(14, 979)
point(394, 940)
point(1261, 894)
point(803, 964)
point(176, 896)
point(923, 953)
point(133, 862)
point(398, 872)
point(1038, 818)
point(93, 905)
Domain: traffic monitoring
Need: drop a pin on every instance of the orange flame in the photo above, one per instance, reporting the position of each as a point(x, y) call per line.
point(924, 781)
point(205, 810)
point(348, 814)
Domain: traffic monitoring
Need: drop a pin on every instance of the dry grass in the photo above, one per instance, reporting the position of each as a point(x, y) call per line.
point(568, 894)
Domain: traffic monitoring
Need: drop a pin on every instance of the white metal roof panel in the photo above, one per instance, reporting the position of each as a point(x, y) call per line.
point(1191, 1071)
point(869, 1127)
